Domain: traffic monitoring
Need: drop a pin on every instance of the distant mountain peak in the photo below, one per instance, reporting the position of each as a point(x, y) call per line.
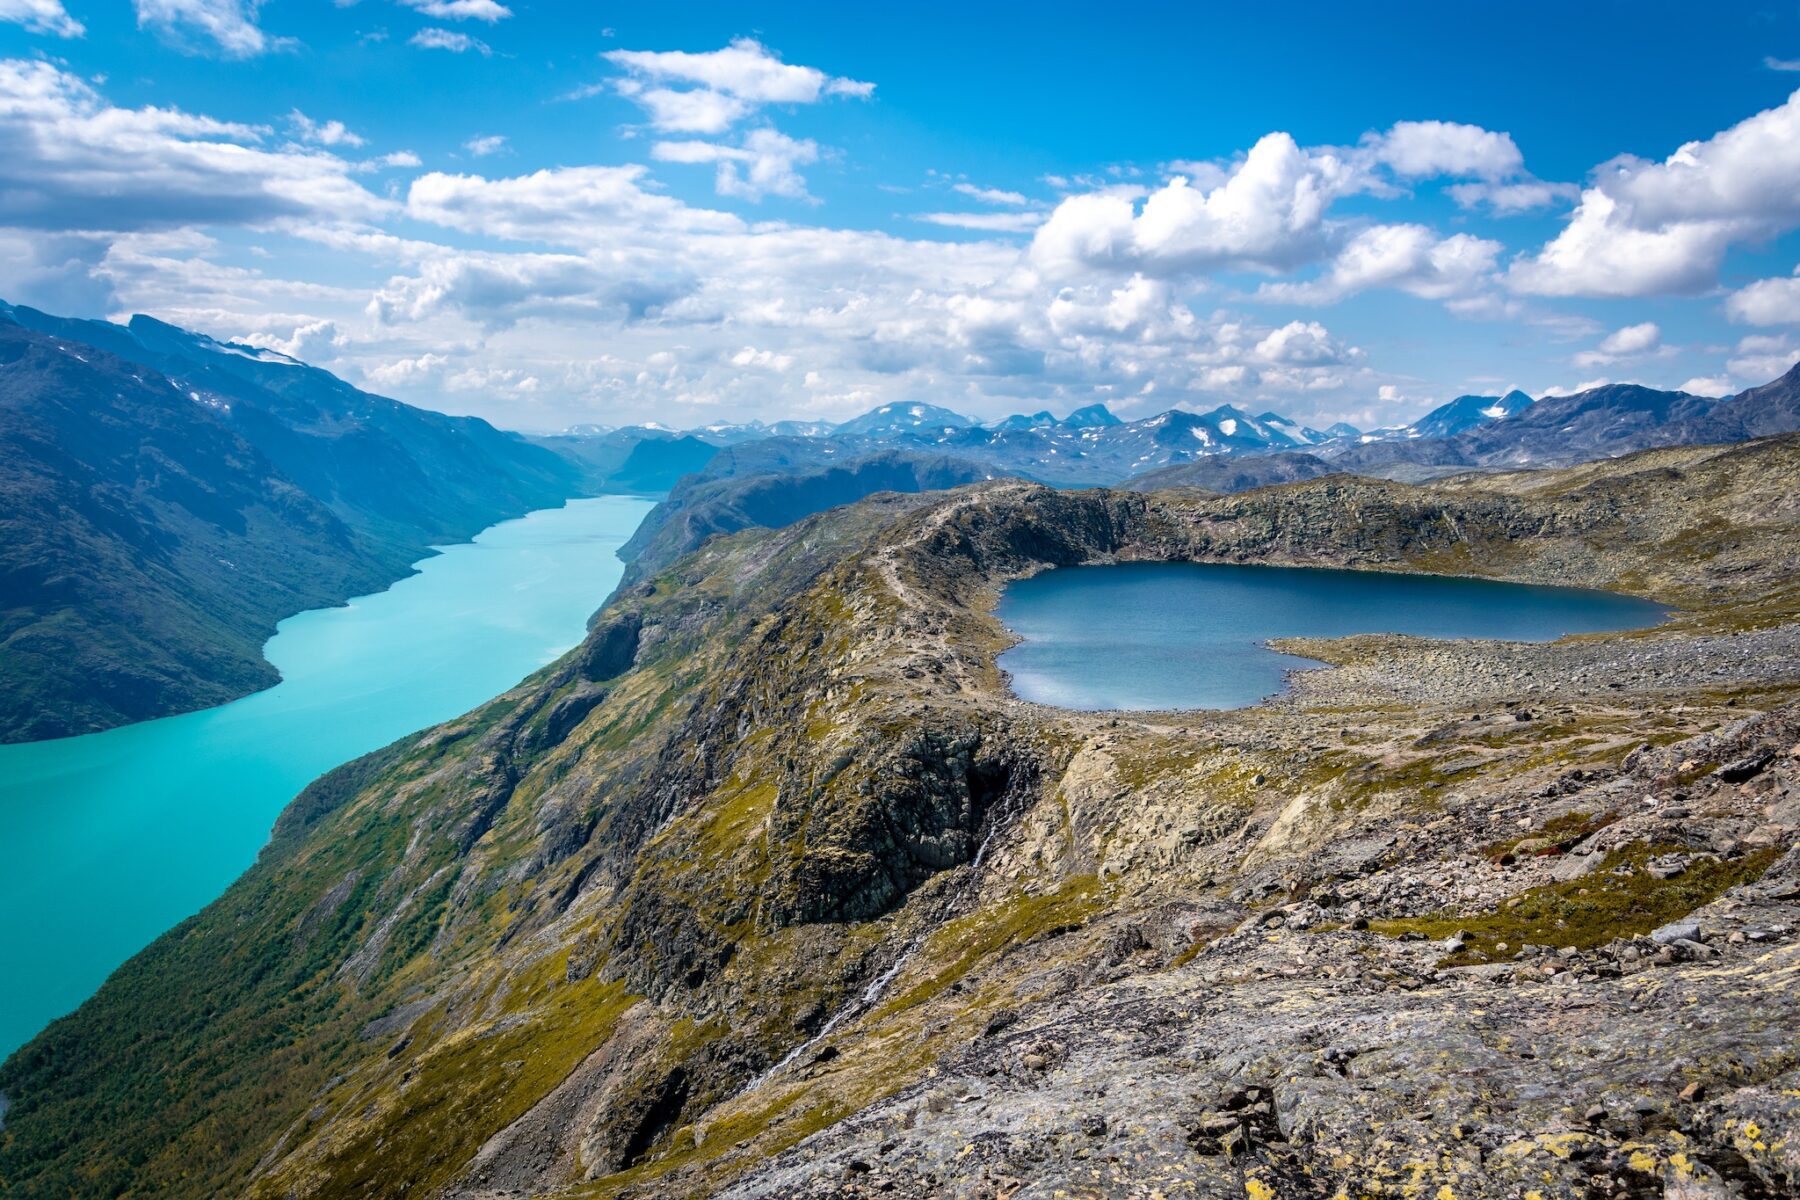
point(1091, 416)
point(903, 416)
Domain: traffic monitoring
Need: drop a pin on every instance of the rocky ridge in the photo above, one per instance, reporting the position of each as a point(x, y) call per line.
point(772, 889)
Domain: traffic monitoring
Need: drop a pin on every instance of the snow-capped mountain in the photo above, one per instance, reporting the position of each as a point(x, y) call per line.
point(1459, 416)
point(893, 420)
point(1466, 412)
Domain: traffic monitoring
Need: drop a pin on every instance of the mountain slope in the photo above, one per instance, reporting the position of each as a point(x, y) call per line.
point(406, 475)
point(146, 549)
point(780, 801)
point(703, 506)
point(1467, 412)
point(1234, 473)
point(292, 490)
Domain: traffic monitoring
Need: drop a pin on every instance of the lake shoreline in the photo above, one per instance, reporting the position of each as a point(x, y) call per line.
point(155, 818)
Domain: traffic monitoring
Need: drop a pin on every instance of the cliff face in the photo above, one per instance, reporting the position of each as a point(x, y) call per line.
point(770, 887)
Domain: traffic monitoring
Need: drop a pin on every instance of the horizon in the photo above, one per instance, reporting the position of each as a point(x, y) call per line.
point(804, 215)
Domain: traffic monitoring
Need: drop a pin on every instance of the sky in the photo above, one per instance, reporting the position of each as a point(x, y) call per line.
point(548, 214)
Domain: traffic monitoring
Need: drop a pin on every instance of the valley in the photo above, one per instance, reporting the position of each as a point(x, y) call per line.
point(157, 818)
point(1526, 911)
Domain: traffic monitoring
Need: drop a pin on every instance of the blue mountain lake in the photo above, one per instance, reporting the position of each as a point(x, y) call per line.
point(1148, 636)
point(111, 838)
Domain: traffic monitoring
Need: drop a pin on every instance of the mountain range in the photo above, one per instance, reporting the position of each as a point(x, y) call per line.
point(1092, 446)
point(169, 497)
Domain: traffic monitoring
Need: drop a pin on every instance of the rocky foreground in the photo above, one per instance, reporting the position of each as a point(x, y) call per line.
point(772, 889)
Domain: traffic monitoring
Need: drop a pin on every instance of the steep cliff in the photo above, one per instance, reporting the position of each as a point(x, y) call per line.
point(771, 888)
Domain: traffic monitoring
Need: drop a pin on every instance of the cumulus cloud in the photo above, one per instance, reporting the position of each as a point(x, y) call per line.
point(449, 39)
point(227, 25)
point(746, 69)
point(1507, 199)
point(1304, 344)
point(461, 10)
point(697, 111)
point(75, 162)
point(1767, 301)
point(483, 145)
point(1419, 149)
point(762, 165)
point(769, 360)
point(573, 206)
point(1633, 341)
point(1708, 385)
point(1762, 357)
point(704, 313)
point(1409, 258)
point(323, 133)
point(1266, 214)
point(708, 93)
point(41, 16)
point(1653, 228)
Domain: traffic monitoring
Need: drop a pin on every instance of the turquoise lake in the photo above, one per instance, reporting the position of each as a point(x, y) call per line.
point(1188, 635)
point(112, 838)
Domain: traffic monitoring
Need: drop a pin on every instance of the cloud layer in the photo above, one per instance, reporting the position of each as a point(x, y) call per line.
point(598, 290)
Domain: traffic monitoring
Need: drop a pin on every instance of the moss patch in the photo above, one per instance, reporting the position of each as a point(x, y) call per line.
point(1621, 899)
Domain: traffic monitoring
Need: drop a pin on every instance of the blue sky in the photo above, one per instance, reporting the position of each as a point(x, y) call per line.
point(548, 213)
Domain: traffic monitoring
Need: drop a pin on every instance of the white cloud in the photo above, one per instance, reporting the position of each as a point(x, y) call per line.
point(1410, 258)
point(704, 313)
point(483, 145)
point(991, 195)
point(1507, 199)
point(449, 39)
point(1632, 339)
point(406, 372)
point(708, 93)
point(1650, 228)
point(745, 69)
point(988, 222)
point(763, 165)
point(696, 111)
point(1304, 343)
point(390, 161)
point(74, 162)
point(311, 341)
point(1420, 149)
point(229, 25)
point(326, 133)
point(575, 206)
point(1781, 64)
point(1708, 385)
point(769, 360)
point(461, 10)
point(1767, 301)
point(1586, 385)
point(1268, 213)
point(1762, 357)
point(41, 16)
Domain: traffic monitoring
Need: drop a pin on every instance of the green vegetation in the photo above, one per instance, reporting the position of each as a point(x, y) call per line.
point(1621, 899)
point(428, 1112)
